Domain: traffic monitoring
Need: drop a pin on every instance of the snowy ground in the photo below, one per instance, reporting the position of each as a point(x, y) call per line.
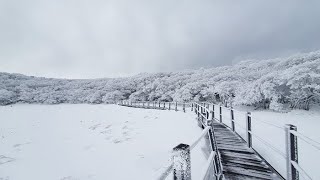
point(78, 142)
point(269, 125)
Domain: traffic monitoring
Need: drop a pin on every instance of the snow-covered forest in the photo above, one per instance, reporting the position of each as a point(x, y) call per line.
point(277, 84)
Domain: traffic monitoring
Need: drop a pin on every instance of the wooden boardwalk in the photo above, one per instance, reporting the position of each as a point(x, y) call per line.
point(238, 160)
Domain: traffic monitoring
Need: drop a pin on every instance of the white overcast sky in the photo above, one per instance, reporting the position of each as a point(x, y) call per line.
point(109, 38)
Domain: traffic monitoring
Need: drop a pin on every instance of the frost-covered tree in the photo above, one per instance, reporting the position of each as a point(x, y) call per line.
point(272, 84)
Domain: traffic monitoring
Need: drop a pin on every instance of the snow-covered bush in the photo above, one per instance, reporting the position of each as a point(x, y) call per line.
point(7, 97)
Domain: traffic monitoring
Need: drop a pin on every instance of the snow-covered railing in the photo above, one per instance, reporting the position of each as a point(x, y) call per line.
point(177, 106)
point(181, 163)
point(293, 168)
point(208, 112)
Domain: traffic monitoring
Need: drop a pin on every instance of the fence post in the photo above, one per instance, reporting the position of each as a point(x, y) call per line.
point(191, 106)
point(220, 108)
point(164, 105)
point(292, 152)
point(232, 120)
point(249, 135)
point(181, 162)
point(169, 105)
point(176, 106)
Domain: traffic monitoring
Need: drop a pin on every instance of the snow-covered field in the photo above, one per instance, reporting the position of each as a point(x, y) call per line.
point(78, 142)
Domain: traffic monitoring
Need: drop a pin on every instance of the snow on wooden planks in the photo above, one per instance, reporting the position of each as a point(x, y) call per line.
point(238, 160)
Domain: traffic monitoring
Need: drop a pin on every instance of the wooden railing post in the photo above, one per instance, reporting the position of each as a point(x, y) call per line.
point(232, 120)
point(169, 105)
point(249, 135)
point(292, 152)
point(164, 105)
point(184, 107)
point(220, 109)
point(191, 106)
point(176, 106)
point(181, 162)
point(212, 116)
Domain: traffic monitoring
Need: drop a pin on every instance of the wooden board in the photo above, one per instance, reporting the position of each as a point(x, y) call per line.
point(238, 160)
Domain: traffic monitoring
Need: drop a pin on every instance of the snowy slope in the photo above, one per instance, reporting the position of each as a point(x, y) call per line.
point(78, 142)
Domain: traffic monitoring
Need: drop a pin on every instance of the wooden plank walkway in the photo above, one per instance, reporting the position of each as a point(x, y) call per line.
point(238, 160)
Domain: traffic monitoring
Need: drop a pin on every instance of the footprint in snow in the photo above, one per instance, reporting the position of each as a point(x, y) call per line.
point(116, 141)
point(5, 159)
point(5, 178)
point(106, 131)
point(107, 127)
point(69, 178)
point(94, 126)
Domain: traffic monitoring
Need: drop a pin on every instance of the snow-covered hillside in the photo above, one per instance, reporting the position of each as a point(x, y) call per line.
point(276, 84)
point(91, 142)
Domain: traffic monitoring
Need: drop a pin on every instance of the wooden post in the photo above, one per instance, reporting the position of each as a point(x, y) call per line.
point(191, 106)
point(184, 107)
point(292, 152)
point(169, 105)
point(220, 114)
point(164, 105)
point(176, 106)
point(212, 116)
point(249, 135)
point(232, 120)
point(181, 162)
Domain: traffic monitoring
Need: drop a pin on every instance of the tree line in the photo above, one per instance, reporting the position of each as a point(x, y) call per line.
point(277, 84)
